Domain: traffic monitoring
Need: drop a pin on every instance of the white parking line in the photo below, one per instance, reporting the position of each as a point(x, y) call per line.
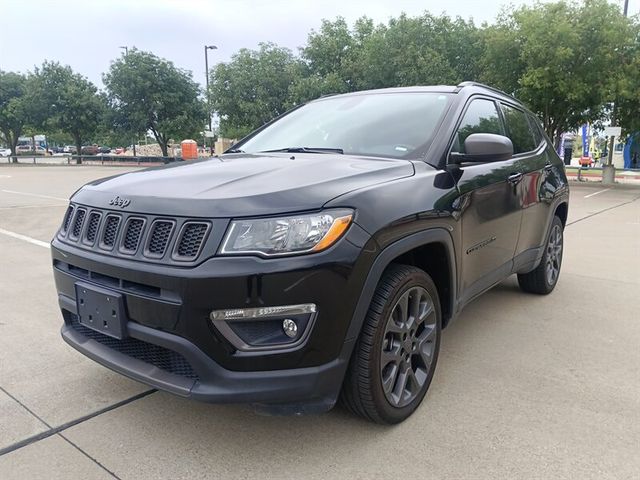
point(597, 193)
point(19, 236)
point(35, 195)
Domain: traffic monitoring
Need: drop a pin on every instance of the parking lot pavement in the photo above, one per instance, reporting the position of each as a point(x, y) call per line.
point(526, 386)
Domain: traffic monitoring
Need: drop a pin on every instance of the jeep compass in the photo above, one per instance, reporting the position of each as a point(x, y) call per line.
point(321, 256)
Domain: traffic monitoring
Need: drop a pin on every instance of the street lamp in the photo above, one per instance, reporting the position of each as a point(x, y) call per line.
point(206, 68)
point(126, 54)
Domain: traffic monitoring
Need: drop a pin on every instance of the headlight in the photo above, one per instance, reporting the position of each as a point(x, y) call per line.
point(286, 235)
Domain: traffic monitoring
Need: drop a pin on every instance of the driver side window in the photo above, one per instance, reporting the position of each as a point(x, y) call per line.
point(481, 117)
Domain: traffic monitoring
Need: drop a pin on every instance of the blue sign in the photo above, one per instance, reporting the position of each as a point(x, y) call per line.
point(585, 140)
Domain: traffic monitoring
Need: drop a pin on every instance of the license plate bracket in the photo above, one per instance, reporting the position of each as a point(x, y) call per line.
point(101, 309)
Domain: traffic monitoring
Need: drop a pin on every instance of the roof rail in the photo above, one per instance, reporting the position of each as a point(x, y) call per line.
point(478, 84)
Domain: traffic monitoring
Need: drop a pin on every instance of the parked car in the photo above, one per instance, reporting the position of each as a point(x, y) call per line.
point(90, 150)
point(5, 152)
point(104, 150)
point(321, 256)
point(72, 149)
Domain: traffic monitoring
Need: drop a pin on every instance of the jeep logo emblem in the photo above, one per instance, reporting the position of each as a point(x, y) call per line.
point(119, 202)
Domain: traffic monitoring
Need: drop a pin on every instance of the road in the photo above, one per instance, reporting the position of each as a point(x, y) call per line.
point(526, 386)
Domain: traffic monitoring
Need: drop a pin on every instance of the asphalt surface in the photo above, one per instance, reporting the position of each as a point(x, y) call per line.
point(526, 386)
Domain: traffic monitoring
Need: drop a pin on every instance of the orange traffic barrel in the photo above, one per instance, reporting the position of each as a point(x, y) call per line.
point(189, 149)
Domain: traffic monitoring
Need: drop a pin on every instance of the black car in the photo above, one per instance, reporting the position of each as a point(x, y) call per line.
point(319, 257)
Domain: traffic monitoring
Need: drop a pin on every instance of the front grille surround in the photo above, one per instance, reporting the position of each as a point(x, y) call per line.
point(131, 235)
point(159, 238)
point(110, 231)
point(171, 240)
point(78, 223)
point(191, 239)
point(67, 218)
point(93, 228)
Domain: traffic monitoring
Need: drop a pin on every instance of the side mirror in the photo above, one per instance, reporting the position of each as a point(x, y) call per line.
point(484, 147)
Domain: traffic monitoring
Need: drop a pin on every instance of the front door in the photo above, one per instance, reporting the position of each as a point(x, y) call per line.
point(489, 206)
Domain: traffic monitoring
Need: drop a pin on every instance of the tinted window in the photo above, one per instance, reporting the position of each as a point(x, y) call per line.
point(481, 117)
point(537, 129)
point(398, 125)
point(518, 130)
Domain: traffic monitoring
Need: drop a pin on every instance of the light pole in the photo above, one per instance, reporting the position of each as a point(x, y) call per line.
point(126, 54)
point(206, 69)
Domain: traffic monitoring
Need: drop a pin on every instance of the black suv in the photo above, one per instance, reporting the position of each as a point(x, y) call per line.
point(320, 256)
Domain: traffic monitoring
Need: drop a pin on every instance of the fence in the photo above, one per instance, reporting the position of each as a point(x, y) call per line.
point(89, 160)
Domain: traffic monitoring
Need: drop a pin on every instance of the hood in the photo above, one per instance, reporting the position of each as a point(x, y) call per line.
point(242, 185)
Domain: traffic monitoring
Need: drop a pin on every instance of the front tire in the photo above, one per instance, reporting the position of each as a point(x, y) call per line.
point(544, 278)
point(396, 354)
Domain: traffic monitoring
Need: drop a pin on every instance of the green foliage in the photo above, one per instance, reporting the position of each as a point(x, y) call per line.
point(14, 113)
point(560, 58)
point(628, 86)
point(64, 101)
point(148, 93)
point(253, 88)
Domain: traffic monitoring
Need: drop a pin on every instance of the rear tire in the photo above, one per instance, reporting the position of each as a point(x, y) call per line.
point(396, 354)
point(544, 278)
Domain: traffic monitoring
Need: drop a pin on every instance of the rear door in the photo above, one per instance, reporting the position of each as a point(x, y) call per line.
point(530, 158)
point(489, 206)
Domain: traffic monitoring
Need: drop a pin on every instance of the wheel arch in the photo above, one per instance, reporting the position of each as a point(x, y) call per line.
point(413, 250)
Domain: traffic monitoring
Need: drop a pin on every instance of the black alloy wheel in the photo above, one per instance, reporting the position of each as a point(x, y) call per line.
point(396, 354)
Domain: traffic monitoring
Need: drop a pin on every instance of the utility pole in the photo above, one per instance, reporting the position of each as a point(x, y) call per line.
point(126, 55)
point(609, 170)
point(206, 69)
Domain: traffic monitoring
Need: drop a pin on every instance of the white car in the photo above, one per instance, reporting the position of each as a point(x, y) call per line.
point(5, 152)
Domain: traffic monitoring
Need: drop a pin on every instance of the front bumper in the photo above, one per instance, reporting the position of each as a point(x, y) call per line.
point(168, 310)
point(183, 369)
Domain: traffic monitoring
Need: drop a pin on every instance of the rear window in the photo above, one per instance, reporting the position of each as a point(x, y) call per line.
point(518, 130)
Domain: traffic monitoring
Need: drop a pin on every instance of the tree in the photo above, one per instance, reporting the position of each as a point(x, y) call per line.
point(65, 102)
point(148, 93)
point(407, 51)
point(628, 87)
point(253, 88)
point(14, 113)
point(559, 58)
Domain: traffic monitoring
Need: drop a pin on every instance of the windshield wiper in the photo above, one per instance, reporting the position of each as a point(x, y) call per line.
point(305, 150)
point(234, 150)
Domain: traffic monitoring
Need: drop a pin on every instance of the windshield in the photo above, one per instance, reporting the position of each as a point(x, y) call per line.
point(397, 125)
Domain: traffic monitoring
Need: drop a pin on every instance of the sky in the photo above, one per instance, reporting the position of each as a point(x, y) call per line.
point(87, 34)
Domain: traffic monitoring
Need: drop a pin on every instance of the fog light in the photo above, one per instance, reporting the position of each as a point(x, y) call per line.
point(265, 328)
point(290, 328)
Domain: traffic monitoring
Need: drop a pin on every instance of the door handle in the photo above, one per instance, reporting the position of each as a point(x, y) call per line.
point(514, 177)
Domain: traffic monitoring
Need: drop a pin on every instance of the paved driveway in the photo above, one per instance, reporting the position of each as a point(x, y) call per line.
point(526, 386)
